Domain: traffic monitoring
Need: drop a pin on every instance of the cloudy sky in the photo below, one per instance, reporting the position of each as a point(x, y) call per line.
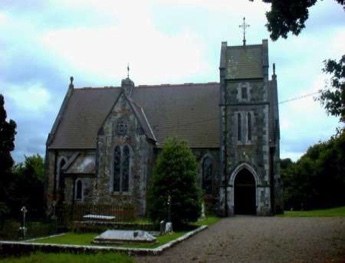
point(43, 43)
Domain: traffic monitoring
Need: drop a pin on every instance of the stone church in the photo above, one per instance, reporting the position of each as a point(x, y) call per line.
point(104, 141)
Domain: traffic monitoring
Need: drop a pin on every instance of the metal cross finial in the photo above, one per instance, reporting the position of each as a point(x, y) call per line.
point(128, 70)
point(244, 26)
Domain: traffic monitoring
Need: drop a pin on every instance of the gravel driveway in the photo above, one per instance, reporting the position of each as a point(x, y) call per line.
point(262, 239)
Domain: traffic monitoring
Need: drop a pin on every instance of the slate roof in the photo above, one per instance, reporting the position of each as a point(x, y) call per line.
point(145, 124)
point(81, 164)
point(188, 111)
point(244, 62)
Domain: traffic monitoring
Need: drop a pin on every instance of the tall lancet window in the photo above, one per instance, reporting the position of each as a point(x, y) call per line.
point(207, 171)
point(78, 190)
point(121, 169)
point(239, 127)
point(125, 168)
point(249, 131)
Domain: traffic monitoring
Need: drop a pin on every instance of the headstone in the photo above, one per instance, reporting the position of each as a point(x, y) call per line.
point(23, 228)
point(162, 227)
point(202, 211)
point(168, 228)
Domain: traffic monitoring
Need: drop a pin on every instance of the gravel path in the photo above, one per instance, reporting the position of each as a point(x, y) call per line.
point(262, 239)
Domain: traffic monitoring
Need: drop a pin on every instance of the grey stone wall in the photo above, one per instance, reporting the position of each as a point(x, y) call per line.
point(59, 185)
point(254, 151)
point(140, 155)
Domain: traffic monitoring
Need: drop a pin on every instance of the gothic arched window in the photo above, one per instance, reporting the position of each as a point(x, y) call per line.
point(125, 168)
point(78, 190)
point(249, 131)
point(121, 169)
point(207, 171)
point(117, 169)
point(239, 127)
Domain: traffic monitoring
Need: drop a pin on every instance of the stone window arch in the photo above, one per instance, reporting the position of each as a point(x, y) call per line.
point(121, 168)
point(243, 92)
point(122, 127)
point(207, 175)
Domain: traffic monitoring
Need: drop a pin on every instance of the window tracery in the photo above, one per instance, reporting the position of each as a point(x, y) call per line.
point(121, 127)
point(121, 168)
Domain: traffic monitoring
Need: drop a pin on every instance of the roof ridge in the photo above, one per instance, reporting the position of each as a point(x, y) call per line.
point(180, 84)
point(97, 88)
point(151, 86)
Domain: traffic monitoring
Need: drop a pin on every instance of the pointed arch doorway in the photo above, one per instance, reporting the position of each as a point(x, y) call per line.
point(245, 193)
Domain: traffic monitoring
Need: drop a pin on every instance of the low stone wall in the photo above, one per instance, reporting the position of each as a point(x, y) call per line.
point(17, 248)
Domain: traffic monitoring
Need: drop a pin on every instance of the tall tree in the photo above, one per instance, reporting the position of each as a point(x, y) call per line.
point(173, 191)
point(333, 97)
point(7, 136)
point(317, 179)
point(28, 186)
point(289, 16)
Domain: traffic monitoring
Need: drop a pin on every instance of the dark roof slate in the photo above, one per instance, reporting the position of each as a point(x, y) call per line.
point(244, 62)
point(145, 124)
point(188, 111)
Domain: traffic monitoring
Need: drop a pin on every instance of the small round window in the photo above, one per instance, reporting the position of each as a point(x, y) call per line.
point(121, 128)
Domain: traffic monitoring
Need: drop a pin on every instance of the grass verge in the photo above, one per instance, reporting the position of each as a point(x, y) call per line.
point(86, 238)
point(66, 257)
point(207, 221)
point(332, 212)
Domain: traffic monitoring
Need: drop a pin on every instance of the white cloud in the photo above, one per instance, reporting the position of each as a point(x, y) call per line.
point(152, 55)
point(31, 100)
point(164, 41)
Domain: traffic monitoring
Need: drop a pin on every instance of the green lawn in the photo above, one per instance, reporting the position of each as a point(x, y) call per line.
point(70, 238)
point(86, 239)
point(207, 221)
point(65, 257)
point(332, 212)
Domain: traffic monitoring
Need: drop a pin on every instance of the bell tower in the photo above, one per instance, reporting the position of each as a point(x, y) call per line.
point(249, 141)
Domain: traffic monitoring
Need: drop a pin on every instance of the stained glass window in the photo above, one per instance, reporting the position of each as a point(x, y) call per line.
point(117, 168)
point(122, 127)
point(125, 168)
point(121, 168)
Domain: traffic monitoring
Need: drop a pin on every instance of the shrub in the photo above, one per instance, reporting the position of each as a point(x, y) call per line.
point(175, 179)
